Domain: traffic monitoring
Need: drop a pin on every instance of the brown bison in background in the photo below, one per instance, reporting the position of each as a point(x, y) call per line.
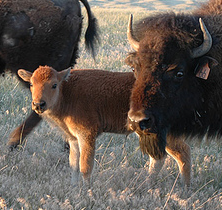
point(41, 32)
point(178, 69)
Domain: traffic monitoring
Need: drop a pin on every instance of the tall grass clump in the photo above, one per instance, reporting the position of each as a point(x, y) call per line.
point(37, 174)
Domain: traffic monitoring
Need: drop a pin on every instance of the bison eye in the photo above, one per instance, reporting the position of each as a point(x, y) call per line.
point(179, 74)
point(164, 66)
point(54, 86)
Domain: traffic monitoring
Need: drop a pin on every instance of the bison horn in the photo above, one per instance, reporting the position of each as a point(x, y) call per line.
point(134, 44)
point(207, 43)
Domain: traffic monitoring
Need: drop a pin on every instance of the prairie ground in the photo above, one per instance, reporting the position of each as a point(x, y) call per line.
point(147, 5)
point(37, 175)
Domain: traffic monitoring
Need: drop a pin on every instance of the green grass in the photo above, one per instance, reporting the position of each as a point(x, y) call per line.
point(37, 175)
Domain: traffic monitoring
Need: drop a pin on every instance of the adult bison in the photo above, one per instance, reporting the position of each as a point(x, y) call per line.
point(178, 69)
point(40, 32)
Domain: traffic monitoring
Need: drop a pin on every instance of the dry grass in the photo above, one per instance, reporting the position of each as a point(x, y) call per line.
point(37, 175)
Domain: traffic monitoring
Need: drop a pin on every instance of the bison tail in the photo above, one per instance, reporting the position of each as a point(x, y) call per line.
point(92, 32)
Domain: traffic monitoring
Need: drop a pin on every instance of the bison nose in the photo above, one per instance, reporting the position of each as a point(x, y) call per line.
point(146, 123)
point(39, 106)
point(136, 116)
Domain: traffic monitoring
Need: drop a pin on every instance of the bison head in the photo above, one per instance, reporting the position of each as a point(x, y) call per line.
point(45, 83)
point(170, 64)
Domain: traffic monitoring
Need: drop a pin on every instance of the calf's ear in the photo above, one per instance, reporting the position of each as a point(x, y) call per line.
point(64, 74)
point(25, 75)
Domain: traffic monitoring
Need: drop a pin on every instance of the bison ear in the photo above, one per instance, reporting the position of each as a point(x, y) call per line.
point(25, 75)
point(133, 61)
point(64, 75)
point(203, 67)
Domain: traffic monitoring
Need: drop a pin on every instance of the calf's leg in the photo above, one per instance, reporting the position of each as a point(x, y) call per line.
point(154, 168)
point(17, 136)
point(74, 160)
point(180, 151)
point(87, 152)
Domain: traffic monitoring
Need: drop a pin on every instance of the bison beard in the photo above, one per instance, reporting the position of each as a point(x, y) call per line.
point(151, 144)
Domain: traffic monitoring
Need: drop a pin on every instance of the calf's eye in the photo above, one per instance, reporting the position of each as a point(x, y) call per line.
point(54, 86)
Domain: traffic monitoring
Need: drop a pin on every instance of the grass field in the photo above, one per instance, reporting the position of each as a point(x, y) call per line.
point(37, 175)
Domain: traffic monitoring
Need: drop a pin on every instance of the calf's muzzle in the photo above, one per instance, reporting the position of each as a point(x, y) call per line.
point(39, 107)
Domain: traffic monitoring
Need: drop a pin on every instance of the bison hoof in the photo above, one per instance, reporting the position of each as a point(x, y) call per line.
point(12, 147)
point(66, 147)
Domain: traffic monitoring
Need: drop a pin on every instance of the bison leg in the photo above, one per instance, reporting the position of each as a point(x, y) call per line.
point(74, 160)
point(87, 152)
point(17, 136)
point(180, 151)
point(154, 168)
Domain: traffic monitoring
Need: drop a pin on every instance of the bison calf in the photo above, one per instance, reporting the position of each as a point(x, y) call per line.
point(85, 103)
